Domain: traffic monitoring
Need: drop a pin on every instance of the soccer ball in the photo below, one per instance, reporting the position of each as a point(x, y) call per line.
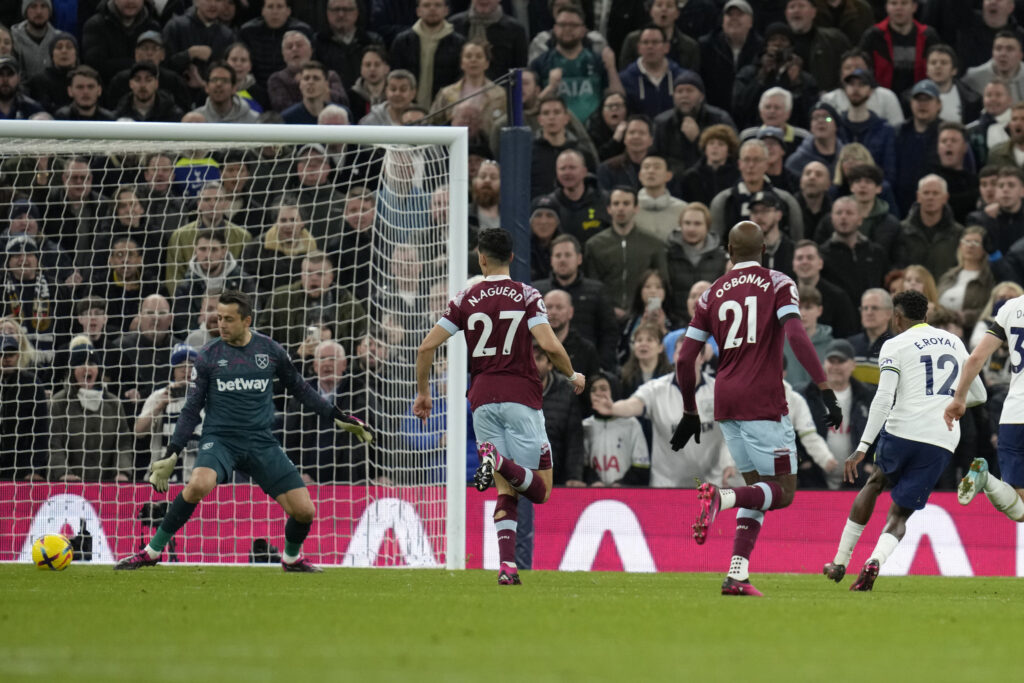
point(52, 551)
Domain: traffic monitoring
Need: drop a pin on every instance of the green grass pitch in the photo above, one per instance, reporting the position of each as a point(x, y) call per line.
point(258, 624)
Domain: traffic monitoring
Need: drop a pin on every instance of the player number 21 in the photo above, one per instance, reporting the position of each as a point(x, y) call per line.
point(733, 307)
point(481, 348)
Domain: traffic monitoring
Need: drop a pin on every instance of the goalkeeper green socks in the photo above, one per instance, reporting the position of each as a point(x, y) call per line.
point(176, 516)
point(295, 533)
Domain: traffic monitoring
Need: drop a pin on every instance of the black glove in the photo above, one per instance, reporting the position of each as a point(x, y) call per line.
point(687, 427)
point(835, 413)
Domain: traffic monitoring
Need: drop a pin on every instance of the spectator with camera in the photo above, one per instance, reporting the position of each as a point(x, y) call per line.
point(160, 413)
point(777, 67)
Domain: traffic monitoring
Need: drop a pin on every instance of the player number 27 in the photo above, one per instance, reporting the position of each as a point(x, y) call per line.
point(481, 348)
point(733, 307)
point(929, 374)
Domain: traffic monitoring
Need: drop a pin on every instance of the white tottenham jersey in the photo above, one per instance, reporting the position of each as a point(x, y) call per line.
point(1009, 326)
point(921, 367)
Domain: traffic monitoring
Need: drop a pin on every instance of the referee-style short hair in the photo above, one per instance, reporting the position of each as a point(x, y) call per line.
point(240, 299)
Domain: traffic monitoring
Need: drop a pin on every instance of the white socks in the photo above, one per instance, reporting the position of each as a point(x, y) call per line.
point(289, 559)
point(728, 497)
point(738, 568)
point(851, 534)
point(1004, 498)
point(886, 544)
point(153, 554)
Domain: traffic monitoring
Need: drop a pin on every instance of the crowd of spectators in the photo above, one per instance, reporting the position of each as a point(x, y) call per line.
point(879, 144)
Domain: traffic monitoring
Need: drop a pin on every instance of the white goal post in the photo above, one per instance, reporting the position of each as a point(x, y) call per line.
point(407, 169)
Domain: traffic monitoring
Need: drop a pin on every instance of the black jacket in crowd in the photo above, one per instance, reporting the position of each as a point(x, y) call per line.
point(563, 421)
point(593, 317)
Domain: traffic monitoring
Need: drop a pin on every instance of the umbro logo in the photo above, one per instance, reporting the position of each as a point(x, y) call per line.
point(222, 362)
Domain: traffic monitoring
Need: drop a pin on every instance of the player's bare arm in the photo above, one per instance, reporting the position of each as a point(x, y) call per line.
point(424, 360)
point(547, 340)
point(975, 362)
point(626, 407)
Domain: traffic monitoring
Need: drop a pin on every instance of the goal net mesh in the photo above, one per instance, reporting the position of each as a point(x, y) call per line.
point(114, 252)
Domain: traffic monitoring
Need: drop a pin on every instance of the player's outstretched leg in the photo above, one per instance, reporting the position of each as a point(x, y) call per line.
point(764, 495)
point(506, 521)
point(523, 480)
point(748, 526)
point(200, 483)
point(1003, 496)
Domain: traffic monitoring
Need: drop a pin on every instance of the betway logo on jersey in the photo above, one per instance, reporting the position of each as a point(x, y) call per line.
point(243, 384)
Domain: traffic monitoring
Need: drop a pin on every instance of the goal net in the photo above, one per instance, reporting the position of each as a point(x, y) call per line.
point(116, 241)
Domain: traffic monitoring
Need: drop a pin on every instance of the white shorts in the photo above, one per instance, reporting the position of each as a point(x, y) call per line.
point(517, 431)
point(763, 445)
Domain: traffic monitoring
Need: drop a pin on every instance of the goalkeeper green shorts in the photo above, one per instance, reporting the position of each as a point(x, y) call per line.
point(260, 457)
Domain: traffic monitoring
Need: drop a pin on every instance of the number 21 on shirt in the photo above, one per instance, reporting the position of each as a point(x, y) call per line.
point(732, 309)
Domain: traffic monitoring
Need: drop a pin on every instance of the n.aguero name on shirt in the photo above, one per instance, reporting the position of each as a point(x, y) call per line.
point(243, 384)
point(510, 292)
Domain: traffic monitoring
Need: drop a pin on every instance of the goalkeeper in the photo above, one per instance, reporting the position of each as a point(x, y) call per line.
point(233, 380)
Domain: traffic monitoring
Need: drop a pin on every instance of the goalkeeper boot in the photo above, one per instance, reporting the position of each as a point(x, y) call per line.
point(833, 571)
point(484, 475)
point(866, 579)
point(301, 565)
point(710, 502)
point(974, 482)
point(509, 576)
point(139, 559)
point(733, 586)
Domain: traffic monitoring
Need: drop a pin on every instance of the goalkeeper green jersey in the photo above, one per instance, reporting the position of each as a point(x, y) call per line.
point(235, 384)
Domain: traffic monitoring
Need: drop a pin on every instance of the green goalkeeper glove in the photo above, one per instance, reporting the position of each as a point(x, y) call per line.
point(164, 468)
point(353, 425)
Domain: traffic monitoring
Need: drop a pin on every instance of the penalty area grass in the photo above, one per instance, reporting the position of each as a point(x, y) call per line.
point(174, 623)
